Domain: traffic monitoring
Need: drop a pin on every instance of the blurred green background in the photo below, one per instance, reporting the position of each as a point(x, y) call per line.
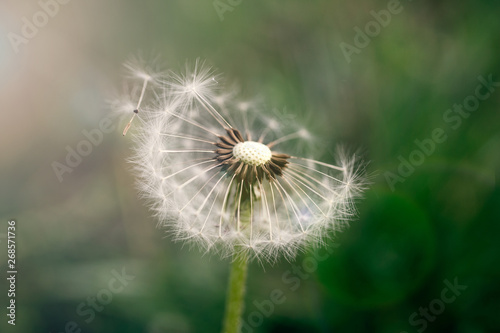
point(440, 224)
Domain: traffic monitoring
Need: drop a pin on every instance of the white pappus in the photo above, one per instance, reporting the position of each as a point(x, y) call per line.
point(222, 175)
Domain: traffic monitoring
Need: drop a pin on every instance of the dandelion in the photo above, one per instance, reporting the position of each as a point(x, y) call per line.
point(222, 175)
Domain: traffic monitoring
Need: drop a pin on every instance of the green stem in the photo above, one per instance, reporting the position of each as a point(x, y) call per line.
point(236, 293)
point(235, 298)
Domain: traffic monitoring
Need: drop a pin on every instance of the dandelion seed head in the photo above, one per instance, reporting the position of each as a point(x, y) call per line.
point(222, 175)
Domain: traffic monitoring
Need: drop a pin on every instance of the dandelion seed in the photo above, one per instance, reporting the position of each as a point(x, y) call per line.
point(137, 68)
point(224, 176)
